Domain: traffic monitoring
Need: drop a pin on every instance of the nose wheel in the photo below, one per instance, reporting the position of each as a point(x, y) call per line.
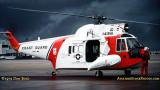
point(99, 73)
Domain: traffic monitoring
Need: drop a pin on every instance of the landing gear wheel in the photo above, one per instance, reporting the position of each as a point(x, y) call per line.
point(53, 73)
point(99, 74)
point(127, 72)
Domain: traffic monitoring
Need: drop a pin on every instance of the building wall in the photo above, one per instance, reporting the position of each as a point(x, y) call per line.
point(7, 50)
point(4, 46)
point(0, 47)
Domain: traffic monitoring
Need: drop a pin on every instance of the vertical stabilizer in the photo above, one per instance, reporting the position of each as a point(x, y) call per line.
point(12, 41)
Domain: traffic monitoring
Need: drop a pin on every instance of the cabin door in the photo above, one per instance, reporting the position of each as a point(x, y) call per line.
point(92, 50)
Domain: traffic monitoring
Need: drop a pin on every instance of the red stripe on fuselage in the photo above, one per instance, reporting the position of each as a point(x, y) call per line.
point(125, 61)
point(57, 45)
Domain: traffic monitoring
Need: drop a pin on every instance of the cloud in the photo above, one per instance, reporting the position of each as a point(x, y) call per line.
point(32, 24)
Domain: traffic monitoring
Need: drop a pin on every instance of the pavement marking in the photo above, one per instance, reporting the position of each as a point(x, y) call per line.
point(154, 61)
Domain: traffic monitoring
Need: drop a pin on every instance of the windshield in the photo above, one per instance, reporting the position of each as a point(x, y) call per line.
point(133, 43)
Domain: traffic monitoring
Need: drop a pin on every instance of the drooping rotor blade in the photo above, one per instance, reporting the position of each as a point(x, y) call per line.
point(133, 21)
point(40, 11)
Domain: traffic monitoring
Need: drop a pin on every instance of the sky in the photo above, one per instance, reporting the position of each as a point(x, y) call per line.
point(24, 24)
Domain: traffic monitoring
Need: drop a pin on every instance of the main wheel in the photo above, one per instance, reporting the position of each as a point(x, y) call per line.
point(53, 73)
point(99, 74)
point(127, 72)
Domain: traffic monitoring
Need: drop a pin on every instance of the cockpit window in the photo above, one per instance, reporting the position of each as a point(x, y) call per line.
point(132, 43)
point(134, 48)
point(118, 44)
point(121, 45)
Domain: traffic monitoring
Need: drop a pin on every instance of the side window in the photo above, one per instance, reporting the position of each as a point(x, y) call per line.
point(118, 44)
point(69, 50)
point(81, 49)
point(73, 49)
point(76, 49)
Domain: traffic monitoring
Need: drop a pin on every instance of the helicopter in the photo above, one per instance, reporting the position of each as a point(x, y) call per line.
point(93, 47)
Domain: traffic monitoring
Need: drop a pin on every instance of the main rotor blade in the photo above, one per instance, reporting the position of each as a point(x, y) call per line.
point(92, 17)
point(4, 32)
point(32, 10)
point(133, 21)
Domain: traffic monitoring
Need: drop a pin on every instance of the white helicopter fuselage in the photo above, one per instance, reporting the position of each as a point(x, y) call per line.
point(92, 47)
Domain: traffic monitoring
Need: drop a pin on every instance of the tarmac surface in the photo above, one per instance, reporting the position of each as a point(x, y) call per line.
point(36, 74)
